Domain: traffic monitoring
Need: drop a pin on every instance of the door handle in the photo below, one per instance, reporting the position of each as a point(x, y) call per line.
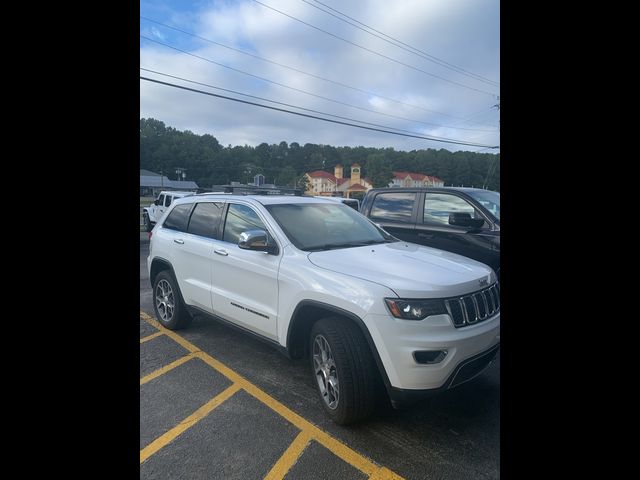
point(179, 240)
point(221, 252)
point(425, 235)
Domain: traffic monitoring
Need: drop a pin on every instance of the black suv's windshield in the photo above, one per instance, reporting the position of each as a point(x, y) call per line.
point(323, 226)
point(489, 200)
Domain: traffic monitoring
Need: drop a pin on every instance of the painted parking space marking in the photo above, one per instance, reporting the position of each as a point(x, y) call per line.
point(289, 457)
point(151, 337)
point(188, 422)
point(166, 368)
point(308, 431)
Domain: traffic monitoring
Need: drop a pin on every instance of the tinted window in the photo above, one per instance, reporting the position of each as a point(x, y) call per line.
point(161, 200)
point(205, 219)
point(353, 203)
point(240, 218)
point(489, 200)
point(438, 206)
point(167, 200)
point(396, 206)
point(178, 218)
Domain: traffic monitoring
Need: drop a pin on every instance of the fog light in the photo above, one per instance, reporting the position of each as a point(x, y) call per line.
point(429, 357)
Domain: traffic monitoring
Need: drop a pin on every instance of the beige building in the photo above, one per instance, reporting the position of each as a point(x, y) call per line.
point(323, 183)
point(409, 179)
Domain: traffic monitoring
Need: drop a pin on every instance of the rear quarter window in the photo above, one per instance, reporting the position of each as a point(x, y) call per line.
point(178, 218)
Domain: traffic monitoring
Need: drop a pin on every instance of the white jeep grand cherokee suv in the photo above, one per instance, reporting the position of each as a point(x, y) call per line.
point(315, 278)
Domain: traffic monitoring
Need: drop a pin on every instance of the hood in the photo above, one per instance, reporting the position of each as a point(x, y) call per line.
point(410, 270)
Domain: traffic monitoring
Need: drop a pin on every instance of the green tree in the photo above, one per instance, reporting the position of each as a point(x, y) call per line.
point(163, 148)
point(304, 183)
point(378, 170)
point(287, 176)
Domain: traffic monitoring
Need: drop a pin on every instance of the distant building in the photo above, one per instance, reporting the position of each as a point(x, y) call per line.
point(323, 183)
point(152, 183)
point(409, 179)
point(258, 180)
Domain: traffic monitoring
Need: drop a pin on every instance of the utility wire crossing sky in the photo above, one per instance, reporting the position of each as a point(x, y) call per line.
point(408, 74)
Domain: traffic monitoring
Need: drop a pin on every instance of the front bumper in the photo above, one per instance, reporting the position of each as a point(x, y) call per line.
point(465, 371)
point(397, 340)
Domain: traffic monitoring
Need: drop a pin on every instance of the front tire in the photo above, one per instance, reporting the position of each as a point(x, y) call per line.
point(168, 305)
point(343, 370)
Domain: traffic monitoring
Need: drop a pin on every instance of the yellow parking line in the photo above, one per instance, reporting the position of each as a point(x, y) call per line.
point(384, 474)
point(165, 369)
point(187, 423)
point(151, 337)
point(338, 448)
point(289, 457)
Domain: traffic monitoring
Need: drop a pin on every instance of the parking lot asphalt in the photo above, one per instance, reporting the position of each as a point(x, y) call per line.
point(217, 403)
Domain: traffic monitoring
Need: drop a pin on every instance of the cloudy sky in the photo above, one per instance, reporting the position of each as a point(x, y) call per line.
point(449, 94)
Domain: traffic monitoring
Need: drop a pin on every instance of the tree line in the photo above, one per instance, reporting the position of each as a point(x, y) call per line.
point(163, 149)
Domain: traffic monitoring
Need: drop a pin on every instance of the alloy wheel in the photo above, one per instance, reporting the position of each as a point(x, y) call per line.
point(165, 300)
point(326, 373)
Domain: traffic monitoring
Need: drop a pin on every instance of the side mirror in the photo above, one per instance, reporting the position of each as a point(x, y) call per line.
point(155, 202)
point(460, 219)
point(256, 240)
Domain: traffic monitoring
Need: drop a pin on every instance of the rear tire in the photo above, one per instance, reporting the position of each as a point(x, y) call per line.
point(147, 223)
point(168, 305)
point(343, 369)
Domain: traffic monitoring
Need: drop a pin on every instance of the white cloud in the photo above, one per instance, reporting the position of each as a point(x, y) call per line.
point(156, 33)
point(462, 32)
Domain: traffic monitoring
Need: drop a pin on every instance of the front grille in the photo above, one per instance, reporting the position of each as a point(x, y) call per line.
point(475, 307)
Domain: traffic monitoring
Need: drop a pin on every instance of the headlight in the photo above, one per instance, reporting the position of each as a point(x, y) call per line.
point(415, 309)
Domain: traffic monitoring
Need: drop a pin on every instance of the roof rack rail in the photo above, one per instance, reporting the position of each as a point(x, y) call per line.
point(258, 190)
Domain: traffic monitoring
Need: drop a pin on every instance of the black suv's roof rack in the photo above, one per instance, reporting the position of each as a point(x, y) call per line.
point(258, 190)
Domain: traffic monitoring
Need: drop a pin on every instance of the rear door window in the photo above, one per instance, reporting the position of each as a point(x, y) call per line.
point(167, 200)
point(394, 206)
point(205, 219)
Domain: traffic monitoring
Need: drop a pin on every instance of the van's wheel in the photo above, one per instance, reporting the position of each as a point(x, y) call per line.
point(344, 370)
point(168, 305)
point(147, 223)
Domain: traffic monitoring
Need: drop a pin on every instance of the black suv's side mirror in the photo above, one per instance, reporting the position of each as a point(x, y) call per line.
point(256, 240)
point(460, 219)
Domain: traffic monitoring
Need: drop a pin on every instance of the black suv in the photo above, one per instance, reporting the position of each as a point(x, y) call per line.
point(460, 220)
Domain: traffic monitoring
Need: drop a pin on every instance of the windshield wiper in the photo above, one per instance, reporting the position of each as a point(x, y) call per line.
point(332, 246)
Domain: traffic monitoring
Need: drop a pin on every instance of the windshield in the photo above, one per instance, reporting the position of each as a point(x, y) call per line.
point(323, 226)
point(489, 200)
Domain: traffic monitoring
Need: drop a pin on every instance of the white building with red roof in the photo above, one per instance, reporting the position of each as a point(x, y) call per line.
point(410, 179)
point(323, 183)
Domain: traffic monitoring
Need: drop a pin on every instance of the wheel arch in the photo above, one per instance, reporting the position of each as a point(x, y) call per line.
point(159, 264)
point(307, 312)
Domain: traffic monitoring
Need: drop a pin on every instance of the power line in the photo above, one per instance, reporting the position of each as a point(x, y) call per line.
point(374, 52)
point(296, 69)
point(434, 139)
point(397, 43)
point(298, 89)
point(469, 117)
point(278, 103)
